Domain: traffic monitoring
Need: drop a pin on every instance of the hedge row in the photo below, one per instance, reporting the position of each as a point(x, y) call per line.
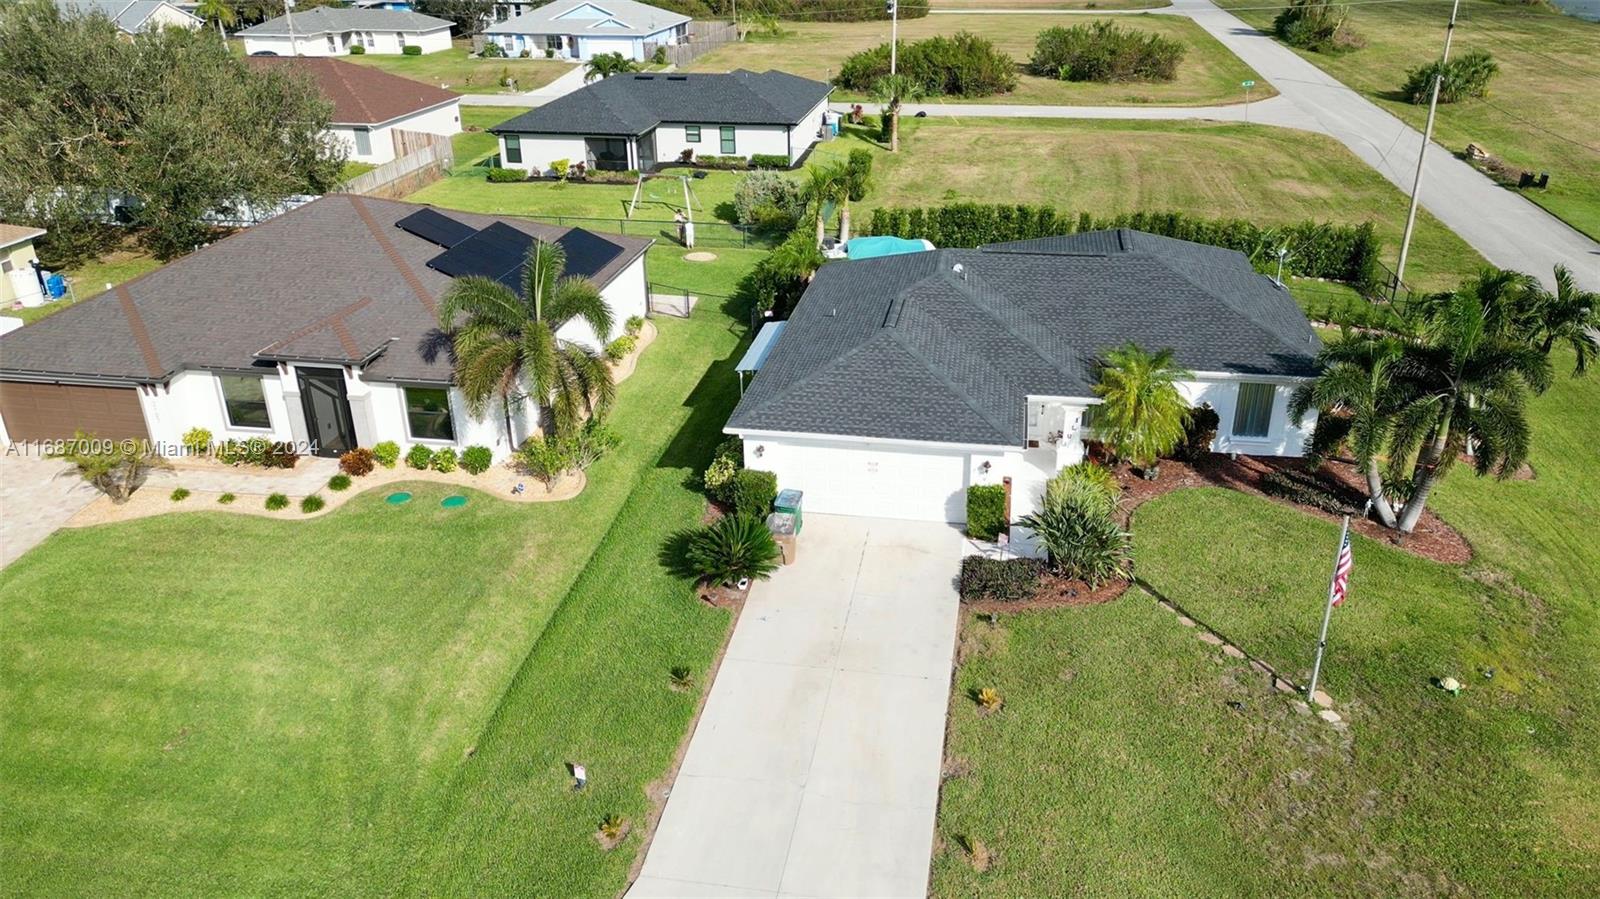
point(961, 65)
point(807, 10)
point(1348, 253)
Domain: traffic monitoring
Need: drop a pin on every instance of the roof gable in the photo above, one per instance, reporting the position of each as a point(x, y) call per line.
point(633, 104)
point(361, 95)
point(583, 11)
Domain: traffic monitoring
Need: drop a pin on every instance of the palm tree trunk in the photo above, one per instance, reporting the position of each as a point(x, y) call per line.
point(822, 223)
point(1380, 503)
point(894, 126)
point(511, 434)
point(844, 221)
point(220, 32)
point(1429, 465)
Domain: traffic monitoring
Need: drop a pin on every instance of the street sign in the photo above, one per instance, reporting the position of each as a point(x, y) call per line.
point(1247, 84)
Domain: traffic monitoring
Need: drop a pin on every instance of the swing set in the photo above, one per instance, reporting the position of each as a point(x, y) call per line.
point(656, 194)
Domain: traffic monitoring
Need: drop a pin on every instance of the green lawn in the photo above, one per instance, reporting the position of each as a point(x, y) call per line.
point(1118, 766)
point(475, 144)
point(91, 278)
point(355, 169)
point(230, 720)
point(1540, 112)
point(1209, 74)
point(1049, 4)
point(453, 69)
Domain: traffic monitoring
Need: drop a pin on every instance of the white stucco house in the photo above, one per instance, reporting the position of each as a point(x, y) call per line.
point(579, 29)
point(133, 16)
point(375, 114)
point(317, 326)
point(900, 381)
point(333, 30)
point(641, 120)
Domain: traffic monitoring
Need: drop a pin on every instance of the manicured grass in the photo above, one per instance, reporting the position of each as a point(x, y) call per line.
point(453, 69)
point(472, 147)
point(381, 703)
point(1049, 4)
point(1539, 114)
point(1118, 766)
point(1208, 75)
point(90, 279)
point(353, 169)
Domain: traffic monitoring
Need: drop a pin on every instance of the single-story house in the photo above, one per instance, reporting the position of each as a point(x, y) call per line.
point(579, 29)
point(318, 325)
point(900, 381)
point(19, 266)
point(374, 112)
point(637, 121)
point(333, 30)
point(133, 16)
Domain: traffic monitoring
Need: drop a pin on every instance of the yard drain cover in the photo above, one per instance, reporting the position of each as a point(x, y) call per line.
point(453, 502)
point(395, 499)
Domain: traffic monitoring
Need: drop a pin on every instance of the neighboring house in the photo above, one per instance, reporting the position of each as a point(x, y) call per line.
point(637, 121)
point(579, 29)
point(333, 30)
point(19, 275)
point(900, 381)
point(375, 113)
point(133, 16)
point(315, 325)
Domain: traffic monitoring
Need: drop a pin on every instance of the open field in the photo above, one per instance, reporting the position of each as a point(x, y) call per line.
point(1118, 766)
point(385, 701)
point(1049, 4)
point(454, 70)
point(1540, 112)
point(1208, 75)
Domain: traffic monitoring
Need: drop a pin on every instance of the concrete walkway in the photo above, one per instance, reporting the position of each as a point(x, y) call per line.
point(814, 770)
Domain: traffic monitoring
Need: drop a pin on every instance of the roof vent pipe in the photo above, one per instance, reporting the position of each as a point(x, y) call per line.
point(959, 269)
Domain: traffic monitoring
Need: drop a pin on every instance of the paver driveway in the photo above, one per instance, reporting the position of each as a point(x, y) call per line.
point(814, 770)
point(37, 496)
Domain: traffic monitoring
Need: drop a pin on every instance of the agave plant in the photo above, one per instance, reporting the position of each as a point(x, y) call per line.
point(989, 698)
point(738, 546)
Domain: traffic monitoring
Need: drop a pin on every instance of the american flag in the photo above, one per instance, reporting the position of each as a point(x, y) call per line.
point(1341, 571)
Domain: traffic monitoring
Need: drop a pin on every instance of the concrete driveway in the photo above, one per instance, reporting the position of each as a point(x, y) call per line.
point(814, 770)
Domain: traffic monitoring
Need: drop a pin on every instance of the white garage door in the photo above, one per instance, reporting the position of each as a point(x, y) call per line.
point(878, 482)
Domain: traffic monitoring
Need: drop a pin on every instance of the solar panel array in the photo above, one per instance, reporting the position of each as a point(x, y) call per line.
point(499, 251)
point(587, 253)
point(435, 227)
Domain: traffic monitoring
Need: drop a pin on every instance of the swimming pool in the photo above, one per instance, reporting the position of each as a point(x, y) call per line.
point(872, 247)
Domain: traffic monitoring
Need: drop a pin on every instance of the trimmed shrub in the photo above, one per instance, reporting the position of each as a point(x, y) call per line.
point(476, 460)
point(1198, 432)
point(724, 466)
point(419, 457)
point(357, 50)
point(444, 461)
point(960, 65)
point(1105, 51)
point(1316, 25)
point(1083, 539)
point(197, 441)
point(734, 547)
point(1008, 580)
point(660, 56)
point(1086, 482)
point(258, 451)
point(722, 162)
point(358, 462)
point(414, 50)
point(276, 502)
point(548, 457)
point(633, 325)
point(768, 161)
point(491, 50)
point(986, 511)
point(312, 503)
point(506, 176)
point(1465, 78)
point(180, 494)
point(339, 483)
point(754, 491)
point(387, 453)
point(226, 498)
point(769, 201)
point(618, 350)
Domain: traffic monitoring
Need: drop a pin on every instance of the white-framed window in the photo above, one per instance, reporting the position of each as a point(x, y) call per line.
point(729, 147)
point(691, 134)
point(1252, 417)
point(333, 44)
point(245, 402)
point(363, 142)
point(428, 414)
point(514, 148)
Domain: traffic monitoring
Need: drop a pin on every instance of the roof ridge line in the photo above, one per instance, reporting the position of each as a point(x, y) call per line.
point(389, 250)
point(899, 340)
point(141, 334)
point(964, 287)
point(338, 72)
point(1246, 315)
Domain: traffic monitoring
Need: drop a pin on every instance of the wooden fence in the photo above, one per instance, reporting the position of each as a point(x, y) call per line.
point(430, 158)
point(702, 39)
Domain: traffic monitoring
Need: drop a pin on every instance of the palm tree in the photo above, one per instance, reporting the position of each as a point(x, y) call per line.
point(506, 347)
point(890, 92)
point(1142, 415)
point(827, 183)
point(1570, 315)
point(1358, 396)
point(856, 180)
point(604, 65)
point(218, 12)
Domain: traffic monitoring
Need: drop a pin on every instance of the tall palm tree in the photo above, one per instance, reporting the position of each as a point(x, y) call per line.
point(219, 13)
point(506, 347)
point(891, 91)
point(604, 65)
point(1570, 315)
point(1142, 414)
point(1358, 396)
point(827, 183)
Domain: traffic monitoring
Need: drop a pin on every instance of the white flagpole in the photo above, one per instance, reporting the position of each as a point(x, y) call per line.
point(1327, 612)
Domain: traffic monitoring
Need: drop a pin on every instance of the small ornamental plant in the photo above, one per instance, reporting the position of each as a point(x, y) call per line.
point(226, 499)
point(312, 503)
point(419, 457)
point(387, 453)
point(180, 494)
point(476, 459)
point(277, 502)
point(339, 482)
point(989, 699)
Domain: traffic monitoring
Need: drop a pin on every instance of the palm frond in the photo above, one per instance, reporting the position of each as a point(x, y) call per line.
point(575, 297)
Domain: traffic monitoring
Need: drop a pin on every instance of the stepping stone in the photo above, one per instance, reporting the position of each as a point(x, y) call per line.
point(1283, 686)
point(1232, 652)
point(1209, 638)
point(1301, 708)
point(1322, 699)
point(1330, 716)
point(1186, 621)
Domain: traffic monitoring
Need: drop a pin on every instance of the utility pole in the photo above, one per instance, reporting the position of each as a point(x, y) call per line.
point(894, 35)
point(288, 13)
point(1422, 154)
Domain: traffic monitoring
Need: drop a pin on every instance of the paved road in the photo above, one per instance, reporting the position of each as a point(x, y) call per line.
point(814, 770)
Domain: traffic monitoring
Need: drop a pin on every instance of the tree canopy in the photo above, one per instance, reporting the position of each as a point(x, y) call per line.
point(170, 125)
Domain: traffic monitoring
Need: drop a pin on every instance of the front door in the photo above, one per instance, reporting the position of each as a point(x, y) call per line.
point(328, 419)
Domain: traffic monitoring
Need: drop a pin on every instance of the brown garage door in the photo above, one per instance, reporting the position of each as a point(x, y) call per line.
point(49, 411)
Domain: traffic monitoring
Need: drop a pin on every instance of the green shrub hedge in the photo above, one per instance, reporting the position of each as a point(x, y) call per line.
point(1008, 580)
point(476, 459)
point(754, 491)
point(419, 457)
point(1348, 253)
point(961, 65)
point(1465, 78)
point(768, 161)
point(986, 511)
point(1105, 51)
point(411, 50)
point(506, 176)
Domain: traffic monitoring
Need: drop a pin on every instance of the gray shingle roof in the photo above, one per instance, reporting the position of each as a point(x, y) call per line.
point(635, 19)
point(633, 104)
point(129, 15)
point(907, 347)
point(334, 280)
point(324, 19)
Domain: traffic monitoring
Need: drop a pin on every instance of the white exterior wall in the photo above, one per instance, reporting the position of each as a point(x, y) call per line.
point(168, 16)
point(539, 150)
point(626, 295)
point(445, 120)
point(193, 399)
point(748, 140)
point(385, 42)
point(1283, 438)
point(805, 133)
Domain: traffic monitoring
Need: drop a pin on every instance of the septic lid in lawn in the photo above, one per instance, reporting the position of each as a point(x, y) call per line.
point(455, 501)
point(395, 499)
point(700, 256)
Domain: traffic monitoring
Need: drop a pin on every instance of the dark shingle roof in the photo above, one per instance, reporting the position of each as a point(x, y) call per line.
point(633, 104)
point(907, 347)
point(361, 95)
point(334, 280)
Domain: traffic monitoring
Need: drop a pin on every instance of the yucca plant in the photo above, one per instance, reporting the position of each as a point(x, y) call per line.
point(738, 546)
point(1083, 539)
point(1086, 481)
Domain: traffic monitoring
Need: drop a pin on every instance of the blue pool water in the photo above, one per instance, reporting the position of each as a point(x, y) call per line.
point(873, 247)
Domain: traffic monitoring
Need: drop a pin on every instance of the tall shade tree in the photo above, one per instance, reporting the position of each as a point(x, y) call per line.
point(219, 13)
point(1358, 396)
point(893, 91)
point(1142, 414)
point(505, 344)
point(827, 183)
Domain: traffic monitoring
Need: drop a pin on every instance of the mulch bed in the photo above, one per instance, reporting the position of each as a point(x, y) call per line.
point(1054, 592)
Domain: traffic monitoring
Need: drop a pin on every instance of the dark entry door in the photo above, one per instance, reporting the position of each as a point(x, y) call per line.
point(327, 410)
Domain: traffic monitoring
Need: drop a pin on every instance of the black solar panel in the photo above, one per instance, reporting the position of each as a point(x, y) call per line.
point(500, 250)
point(587, 253)
point(435, 228)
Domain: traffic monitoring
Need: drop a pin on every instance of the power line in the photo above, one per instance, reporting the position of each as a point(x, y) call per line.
point(1532, 124)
